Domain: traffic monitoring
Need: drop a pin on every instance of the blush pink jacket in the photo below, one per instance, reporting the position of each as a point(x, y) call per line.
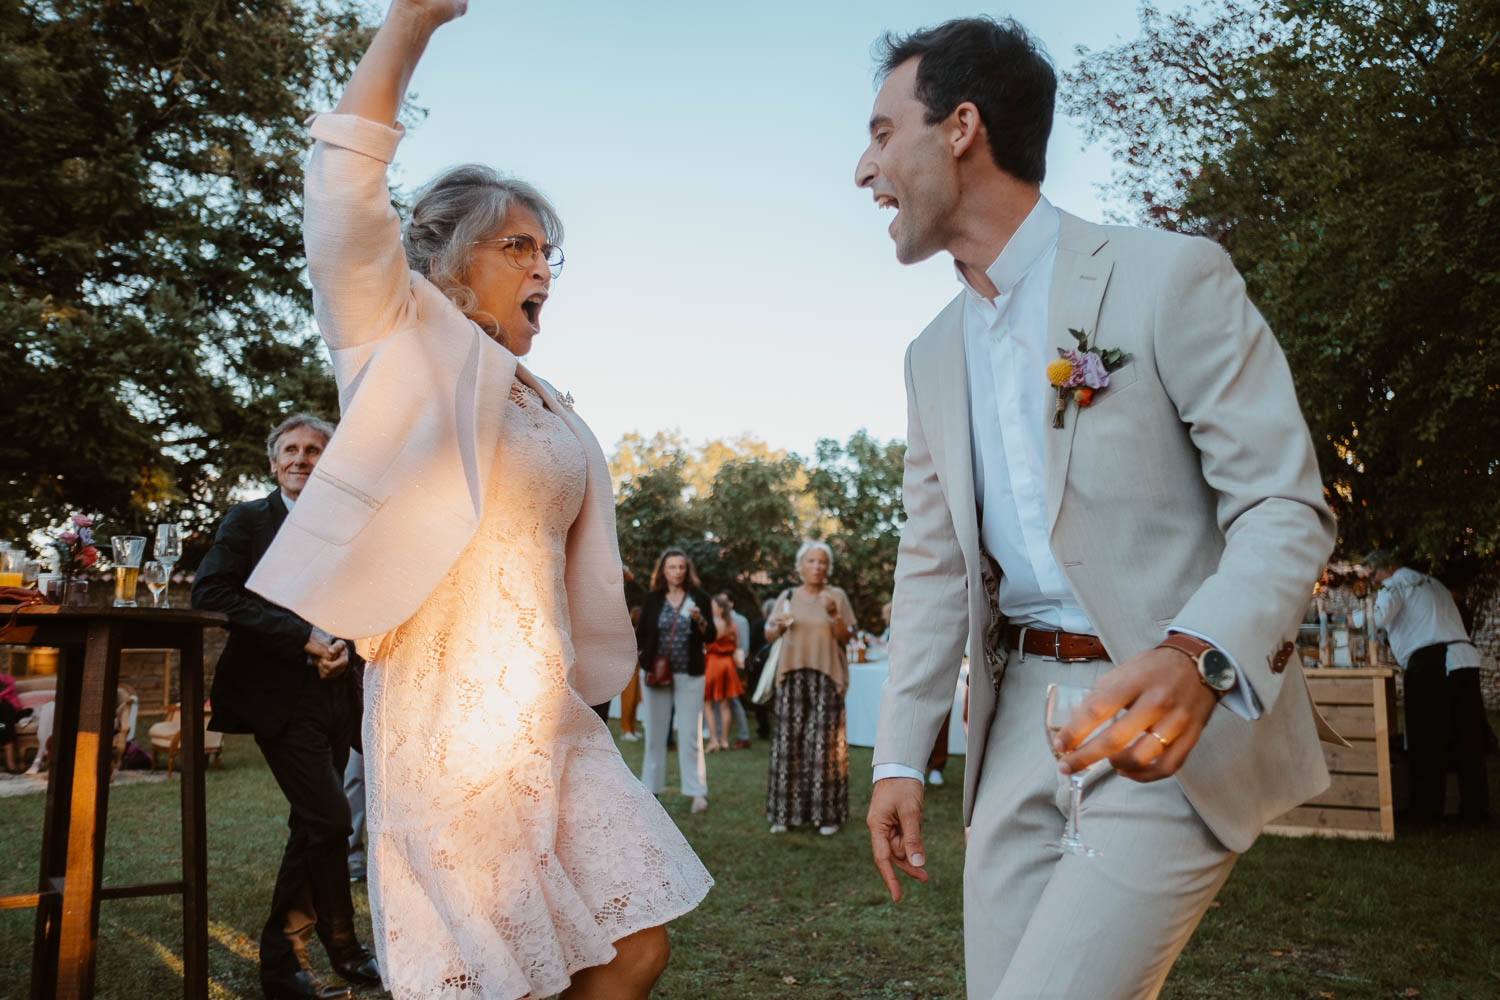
point(424, 392)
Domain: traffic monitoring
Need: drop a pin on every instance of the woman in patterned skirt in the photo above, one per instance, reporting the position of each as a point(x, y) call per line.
point(809, 781)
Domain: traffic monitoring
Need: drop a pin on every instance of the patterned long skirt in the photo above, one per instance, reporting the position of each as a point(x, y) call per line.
point(809, 781)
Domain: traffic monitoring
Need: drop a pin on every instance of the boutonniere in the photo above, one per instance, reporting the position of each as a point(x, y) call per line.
point(1081, 373)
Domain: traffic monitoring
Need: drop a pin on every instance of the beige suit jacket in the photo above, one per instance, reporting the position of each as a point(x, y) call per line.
point(1187, 495)
point(400, 489)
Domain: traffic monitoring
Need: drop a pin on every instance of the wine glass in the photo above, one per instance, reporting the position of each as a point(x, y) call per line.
point(168, 548)
point(154, 575)
point(1062, 699)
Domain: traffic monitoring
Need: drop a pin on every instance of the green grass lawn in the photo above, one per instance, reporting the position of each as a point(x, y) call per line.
point(804, 916)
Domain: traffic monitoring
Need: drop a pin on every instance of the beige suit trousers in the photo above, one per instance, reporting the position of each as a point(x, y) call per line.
point(1039, 923)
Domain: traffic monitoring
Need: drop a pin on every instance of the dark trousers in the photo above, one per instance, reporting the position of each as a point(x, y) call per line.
point(1444, 720)
point(312, 887)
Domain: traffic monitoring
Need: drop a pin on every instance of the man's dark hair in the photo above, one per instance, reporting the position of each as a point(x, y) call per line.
point(1000, 68)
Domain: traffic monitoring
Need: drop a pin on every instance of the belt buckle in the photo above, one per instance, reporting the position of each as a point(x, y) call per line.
point(1057, 651)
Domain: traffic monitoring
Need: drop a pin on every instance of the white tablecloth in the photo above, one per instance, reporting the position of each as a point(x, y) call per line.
point(862, 705)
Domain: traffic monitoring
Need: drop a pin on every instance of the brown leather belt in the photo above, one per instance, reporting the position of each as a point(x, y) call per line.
point(1068, 647)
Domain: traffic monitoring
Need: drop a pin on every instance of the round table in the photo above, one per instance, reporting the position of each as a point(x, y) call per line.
point(862, 703)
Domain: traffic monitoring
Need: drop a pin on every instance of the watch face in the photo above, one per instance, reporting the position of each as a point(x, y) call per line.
point(1218, 672)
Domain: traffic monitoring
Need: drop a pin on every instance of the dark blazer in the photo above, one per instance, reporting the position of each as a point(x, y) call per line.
point(646, 632)
point(264, 669)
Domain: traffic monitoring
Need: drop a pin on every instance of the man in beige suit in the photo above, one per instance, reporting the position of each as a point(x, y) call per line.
point(1159, 546)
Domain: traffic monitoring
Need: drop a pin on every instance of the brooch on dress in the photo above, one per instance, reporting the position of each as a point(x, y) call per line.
point(566, 399)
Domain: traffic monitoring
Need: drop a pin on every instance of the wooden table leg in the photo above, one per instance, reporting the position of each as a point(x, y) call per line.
point(87, 812)
point(65, 707)
point(194, 822)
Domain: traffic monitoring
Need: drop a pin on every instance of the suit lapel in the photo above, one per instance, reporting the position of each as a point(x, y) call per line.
point(1078, 282)
point(955, 441)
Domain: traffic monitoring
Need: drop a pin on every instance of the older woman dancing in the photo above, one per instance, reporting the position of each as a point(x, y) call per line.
point(809, 779)
point(461, 520)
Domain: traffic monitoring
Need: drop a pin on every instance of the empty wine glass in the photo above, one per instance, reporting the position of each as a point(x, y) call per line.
point(168, 551)
point(154, 575)
point(1062, 699)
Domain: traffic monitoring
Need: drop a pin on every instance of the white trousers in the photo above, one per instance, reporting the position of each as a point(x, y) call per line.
point(1040, 923)
point(686, 695)
point(354, 791)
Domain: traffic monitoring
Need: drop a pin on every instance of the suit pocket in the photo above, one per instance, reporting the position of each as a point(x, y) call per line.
point(333, 509)
point(1119, 380)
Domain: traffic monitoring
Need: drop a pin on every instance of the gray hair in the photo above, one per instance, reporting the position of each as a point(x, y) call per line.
point(317, 424)
point(458, 208)
point(810, 546)
point(1382, 559)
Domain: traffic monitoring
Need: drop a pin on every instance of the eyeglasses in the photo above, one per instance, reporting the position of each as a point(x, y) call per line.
point(521, 251)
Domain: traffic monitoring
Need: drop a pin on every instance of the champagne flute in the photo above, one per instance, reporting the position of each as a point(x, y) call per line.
point(168, 550)
point(154, 576)
point(1062, 699)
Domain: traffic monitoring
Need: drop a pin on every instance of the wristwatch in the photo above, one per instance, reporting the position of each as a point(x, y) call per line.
point(1214, 668)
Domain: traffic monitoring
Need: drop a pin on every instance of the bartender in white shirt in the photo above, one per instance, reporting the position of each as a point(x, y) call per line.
point(1444, 708)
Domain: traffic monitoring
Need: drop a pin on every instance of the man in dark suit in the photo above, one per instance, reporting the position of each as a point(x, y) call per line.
point(295, 688)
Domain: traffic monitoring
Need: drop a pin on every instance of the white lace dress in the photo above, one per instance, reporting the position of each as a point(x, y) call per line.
point(510, 846)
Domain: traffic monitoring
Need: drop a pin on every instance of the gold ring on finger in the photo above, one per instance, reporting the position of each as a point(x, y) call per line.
point(1159, 738)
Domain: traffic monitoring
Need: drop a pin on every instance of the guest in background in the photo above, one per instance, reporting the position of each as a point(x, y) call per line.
point(737, 704)
point(755, 662)
point(673, 624)
point(299, 691)
point(11, 712)
point(354, 792)
point(630, 698)
point(721, 678)
point(809, 776)
point(1444, 707)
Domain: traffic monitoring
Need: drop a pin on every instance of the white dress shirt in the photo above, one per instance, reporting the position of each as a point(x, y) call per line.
point(1005, 346)
point(1416, 611)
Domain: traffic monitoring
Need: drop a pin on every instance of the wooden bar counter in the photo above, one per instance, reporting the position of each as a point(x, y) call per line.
point(69, 886)
point(1360, 704)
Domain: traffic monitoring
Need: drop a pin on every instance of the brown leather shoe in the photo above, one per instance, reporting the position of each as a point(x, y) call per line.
point(740, 745)
point(358, 967)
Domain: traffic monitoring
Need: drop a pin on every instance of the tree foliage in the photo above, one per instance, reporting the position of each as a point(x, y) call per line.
point(743, 528)
point(1348, 157)
point(858, 487)
point(153, 320)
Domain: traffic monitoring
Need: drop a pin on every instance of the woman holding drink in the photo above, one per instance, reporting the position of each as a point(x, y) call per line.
point(461, 520)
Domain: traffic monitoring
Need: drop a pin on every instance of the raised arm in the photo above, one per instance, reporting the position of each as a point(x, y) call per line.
point(362, 286)
point(380, 80)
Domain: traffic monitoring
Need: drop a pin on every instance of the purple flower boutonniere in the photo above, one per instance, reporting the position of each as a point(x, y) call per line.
point(1079, 374)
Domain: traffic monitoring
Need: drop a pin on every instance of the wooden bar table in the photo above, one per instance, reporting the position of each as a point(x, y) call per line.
point(1360, 704)
point(69, 887)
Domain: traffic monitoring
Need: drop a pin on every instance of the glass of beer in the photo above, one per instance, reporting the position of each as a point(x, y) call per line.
point(12, 567)
point(128, 552)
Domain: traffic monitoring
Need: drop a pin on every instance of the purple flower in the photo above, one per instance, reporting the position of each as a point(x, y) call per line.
point(1089, 370)
point(68, 537)
point(1071, 357)
point(85, 536)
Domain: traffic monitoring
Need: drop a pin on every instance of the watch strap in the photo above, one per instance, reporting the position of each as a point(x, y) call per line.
point(1193, 648)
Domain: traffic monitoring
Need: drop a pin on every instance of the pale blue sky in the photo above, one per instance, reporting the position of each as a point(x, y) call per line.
point(724, 275)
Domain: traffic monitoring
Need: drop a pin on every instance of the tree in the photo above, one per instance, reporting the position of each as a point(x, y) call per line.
point(857, 486)
point(751, 514)
point(154, 319)
point(652, 515)
point(1353, 174)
